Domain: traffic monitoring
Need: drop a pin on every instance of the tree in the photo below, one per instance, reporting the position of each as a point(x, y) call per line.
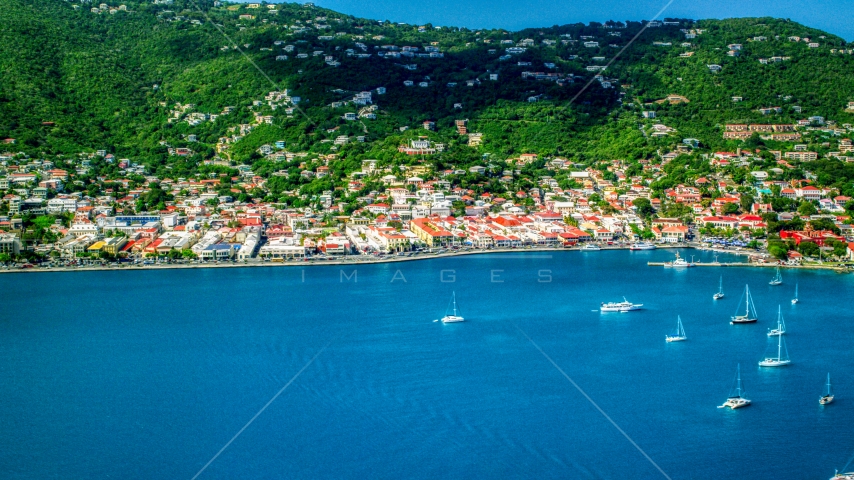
point(825, 224)
point(840, 249)
point(806, 209)
point(643, 207)
point(729, 208)
point(44, 221)
point(778, 252)
point(746, 202)
point(5, 258)
point(809, 249)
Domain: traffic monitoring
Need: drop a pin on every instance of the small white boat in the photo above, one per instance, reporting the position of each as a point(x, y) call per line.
point(828, 397)
point(750, 310)
point(679, 262)
point(843, 476)
point(779, 360)
point(737, 400)
point(591, 248)
point(720, 293)
point(795, 300)
point(781, 325)
point(453, 317)
point(624, 306)
point(777, 280)
point(680, 332)
point(642, 246)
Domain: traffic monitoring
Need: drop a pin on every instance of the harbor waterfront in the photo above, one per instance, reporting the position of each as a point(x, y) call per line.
point(148, 373)
point(737, 255)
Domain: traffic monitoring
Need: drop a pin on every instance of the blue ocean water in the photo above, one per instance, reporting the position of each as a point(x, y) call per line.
point(148, 374)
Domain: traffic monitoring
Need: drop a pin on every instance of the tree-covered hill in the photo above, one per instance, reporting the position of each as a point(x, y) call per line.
point(76, 77)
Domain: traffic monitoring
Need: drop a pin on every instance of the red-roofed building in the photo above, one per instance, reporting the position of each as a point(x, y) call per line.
point(819, 237)
point(152, 247)
point(250, 221)
point(430, 232)
point(720, 222)
point(721, 201)
point(378, 208)
point(506, 223)
point(810, 193)
point(671, 234)
point(603, 234)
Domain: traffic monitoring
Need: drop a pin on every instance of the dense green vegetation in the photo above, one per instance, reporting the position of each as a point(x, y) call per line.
point(76, 81)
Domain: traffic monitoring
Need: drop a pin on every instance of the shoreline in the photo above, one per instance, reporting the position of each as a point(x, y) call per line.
point(362, 260)
point(356, 260)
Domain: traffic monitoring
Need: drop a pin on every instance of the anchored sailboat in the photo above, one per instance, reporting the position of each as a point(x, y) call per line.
point(750, 309)
point(781, 325)
point(737, 400)
point(828, 397)
point(795, 300)
point(453, 317)
point(680, 332)
point(777, 280)
point(780, 360)
point(720, 293)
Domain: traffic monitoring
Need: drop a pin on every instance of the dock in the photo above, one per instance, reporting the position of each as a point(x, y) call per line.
point(715, 264)
point(755, 265)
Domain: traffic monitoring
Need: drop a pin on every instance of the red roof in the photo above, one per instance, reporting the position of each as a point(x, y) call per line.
point(250, 221)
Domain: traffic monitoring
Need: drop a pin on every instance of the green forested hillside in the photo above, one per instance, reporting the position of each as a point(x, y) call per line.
point(72, 80)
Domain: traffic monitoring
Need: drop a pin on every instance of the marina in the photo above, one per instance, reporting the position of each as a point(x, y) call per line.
point(177, 373)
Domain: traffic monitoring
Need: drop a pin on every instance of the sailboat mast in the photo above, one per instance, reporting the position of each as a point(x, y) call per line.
point(779, 345)
point(738, 383)
point(747, 300)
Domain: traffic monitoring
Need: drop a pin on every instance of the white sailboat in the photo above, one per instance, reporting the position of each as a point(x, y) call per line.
point(780, 360)
point(795, 300)
point(720, 293)
point(777, 280)
point(737, 400)
point(750, 309)
point(781, 325)
point(680, 332)
point(828, 397)
point(453, 317)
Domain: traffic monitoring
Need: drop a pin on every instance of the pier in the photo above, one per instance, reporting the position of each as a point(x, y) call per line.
point(748, 264)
